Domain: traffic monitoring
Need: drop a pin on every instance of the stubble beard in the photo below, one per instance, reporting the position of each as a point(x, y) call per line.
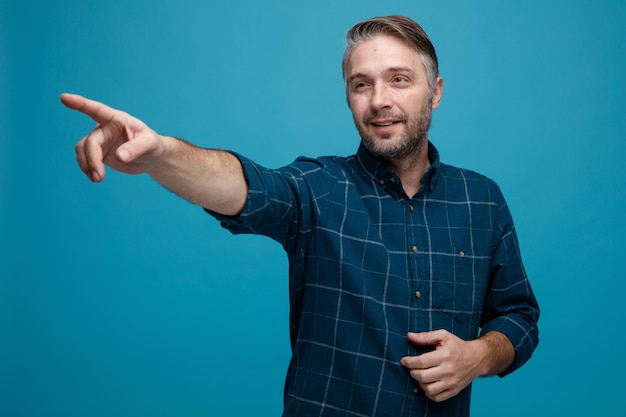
point(408, 145)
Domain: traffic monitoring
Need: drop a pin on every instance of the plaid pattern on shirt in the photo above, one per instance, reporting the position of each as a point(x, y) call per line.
point(367, 264)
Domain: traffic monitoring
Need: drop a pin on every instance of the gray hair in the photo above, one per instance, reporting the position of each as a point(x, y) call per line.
point(402, 28)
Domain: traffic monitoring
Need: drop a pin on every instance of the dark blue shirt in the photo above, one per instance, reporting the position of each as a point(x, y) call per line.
point(367, 264)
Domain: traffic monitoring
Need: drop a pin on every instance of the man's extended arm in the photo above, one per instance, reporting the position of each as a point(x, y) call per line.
point(212, 179)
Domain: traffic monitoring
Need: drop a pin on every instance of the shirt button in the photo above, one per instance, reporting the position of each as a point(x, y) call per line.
point(381, 182)
point(414, 249)
point(417, 294)
point(411, 208)
point(416, 391)
point(462, 254)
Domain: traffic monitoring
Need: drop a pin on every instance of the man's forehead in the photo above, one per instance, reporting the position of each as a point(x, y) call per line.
point(384, 53)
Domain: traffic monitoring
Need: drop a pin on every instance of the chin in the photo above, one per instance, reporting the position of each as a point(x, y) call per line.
point(392, 148)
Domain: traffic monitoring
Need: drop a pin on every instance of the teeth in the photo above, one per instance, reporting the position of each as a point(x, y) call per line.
point(384, 124)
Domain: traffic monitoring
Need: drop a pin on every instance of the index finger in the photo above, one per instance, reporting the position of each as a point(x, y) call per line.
point(425, 360)
point(99, 112)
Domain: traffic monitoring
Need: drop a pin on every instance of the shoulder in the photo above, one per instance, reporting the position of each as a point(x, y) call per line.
point(323, 166)
point(469, 183)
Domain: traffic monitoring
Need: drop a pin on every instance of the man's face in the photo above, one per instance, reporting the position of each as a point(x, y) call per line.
point(388, 94)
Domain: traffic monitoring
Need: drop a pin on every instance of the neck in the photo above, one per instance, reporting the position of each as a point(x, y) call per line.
point(411, 168)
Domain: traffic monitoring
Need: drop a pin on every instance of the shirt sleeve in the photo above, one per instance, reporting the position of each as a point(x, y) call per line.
point(278, 201)
point(511, 307)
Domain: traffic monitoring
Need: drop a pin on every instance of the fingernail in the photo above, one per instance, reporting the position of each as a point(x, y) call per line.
point(124, 155)
point(94, 176)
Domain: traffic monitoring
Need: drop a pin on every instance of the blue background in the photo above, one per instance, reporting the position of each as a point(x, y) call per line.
point(121, 299)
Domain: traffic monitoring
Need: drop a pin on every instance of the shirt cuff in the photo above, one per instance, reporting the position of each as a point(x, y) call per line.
point(256, 200)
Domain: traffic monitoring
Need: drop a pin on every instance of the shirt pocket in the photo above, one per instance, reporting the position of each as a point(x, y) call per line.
point(460, 282)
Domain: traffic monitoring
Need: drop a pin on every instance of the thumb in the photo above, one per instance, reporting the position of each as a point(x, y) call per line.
point(141, 148)
point(433, 338)
point(123, 154)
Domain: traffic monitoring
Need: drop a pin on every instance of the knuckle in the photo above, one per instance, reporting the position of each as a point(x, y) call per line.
point(79, 147)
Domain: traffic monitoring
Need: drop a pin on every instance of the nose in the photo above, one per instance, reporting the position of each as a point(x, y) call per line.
point(381, 97)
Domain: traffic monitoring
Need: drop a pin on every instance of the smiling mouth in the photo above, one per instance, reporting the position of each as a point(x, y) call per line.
point(384, 118)
point(385, 124)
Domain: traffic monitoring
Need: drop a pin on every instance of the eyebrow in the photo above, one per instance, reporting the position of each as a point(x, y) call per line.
point(388, 70)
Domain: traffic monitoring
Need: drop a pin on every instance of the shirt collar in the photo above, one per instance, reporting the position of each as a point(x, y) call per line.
point(377, 169)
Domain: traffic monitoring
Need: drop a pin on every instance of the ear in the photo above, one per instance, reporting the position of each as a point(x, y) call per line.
point(438, 91)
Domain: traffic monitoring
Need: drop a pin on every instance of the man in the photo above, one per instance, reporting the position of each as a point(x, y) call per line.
point(405, 276)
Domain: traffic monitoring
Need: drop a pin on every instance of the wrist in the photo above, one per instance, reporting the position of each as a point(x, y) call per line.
point(495, 353)
point(480, 348)
point(165, 154)
point(169, 146)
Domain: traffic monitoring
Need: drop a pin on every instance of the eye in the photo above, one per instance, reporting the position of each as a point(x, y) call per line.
point(359, 85)
point(400, 79)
